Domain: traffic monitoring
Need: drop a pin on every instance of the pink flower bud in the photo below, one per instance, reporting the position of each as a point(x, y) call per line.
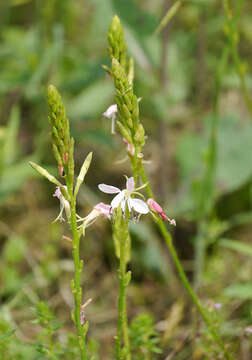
point(82, 313)
point(130, 147)
point(64, 204)
point(153, 205)
point(104, 209)
point(57, 193)
point(65, 157)
point(83, 319)
point(217, 306)
point(61, 170)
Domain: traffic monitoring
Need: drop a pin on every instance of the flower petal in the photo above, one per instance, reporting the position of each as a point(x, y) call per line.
point(123, 204)
point(57, 193)
point(117, 199)
point(108, 189)
point(130, 184)
point(111, 111)
point(138, 205)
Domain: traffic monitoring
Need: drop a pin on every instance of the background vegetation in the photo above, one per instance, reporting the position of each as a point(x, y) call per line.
point(195, 84)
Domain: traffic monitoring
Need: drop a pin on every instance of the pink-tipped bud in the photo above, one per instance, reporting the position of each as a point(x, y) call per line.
point(82, 313)
point(57, 193)
point(153, 205)
point(61, 170)
point(65, 157)
point(104, 210)
point(100, 209)
point(130, 147)
point(218, 306)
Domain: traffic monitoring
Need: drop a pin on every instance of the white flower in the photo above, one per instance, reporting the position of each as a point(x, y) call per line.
point(123, 197)
point(111, 113)
point(64, 205)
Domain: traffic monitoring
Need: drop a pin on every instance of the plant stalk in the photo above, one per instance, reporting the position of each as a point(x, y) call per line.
point(168, 239)
point(232, 35)
point(122, 327)
point(78, 265)
point(206, 199)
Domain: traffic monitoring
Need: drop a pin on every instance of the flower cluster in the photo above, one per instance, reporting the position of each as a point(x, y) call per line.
point(124, 198)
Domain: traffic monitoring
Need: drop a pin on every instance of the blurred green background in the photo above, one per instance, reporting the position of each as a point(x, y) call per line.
point(189, 84)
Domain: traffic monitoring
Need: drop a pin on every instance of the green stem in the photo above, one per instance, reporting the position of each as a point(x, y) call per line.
point(205, 203)
point(76, 287)
point(126, 329)
point(189, 289)
point(233, 41)
point(50, 344)
point(168, 239)
point(122, 327)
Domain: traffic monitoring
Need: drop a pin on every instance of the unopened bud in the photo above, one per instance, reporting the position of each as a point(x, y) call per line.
point(82, 313)
point(131, 71)
point(139, 136)
point(125, 133)
point(45, 173)
point(61, 170)
point(83, 171)
point(65, 157)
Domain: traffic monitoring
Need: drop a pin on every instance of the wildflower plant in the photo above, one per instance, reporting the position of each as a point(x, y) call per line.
point(133, 133)
point(63, 149)
point(47, 346)
point(145, 339)
point(127, 204)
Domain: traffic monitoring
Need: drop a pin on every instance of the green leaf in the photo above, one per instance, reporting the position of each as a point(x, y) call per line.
point(7, 335)
point(14, 249)
point(149, 253)
point(168, 16)
point(237, 246)
point(241, 291)
point(13, 177)
point(48, 58)
point(10, 144)
point(92, 101)
point(234, 167)
point(97, 136)
point(142, 22)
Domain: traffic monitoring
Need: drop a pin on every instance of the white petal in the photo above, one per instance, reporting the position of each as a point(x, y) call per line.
point(117, 199)
point(130, 184)
point(112, 110)
point(108, 189)
point(123, 203)
point(139, 206)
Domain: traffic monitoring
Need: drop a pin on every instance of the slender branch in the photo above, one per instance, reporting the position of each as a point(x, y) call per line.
point(204, 204)
point(121, 235)
point(233, 37)
point(168, 239)
point(122, 317)
point(163, 79)
point(63, 149)
point(78, 265)
point(132, 129)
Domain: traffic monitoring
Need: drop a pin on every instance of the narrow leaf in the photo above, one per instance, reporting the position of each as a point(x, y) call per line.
point(168, 16)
